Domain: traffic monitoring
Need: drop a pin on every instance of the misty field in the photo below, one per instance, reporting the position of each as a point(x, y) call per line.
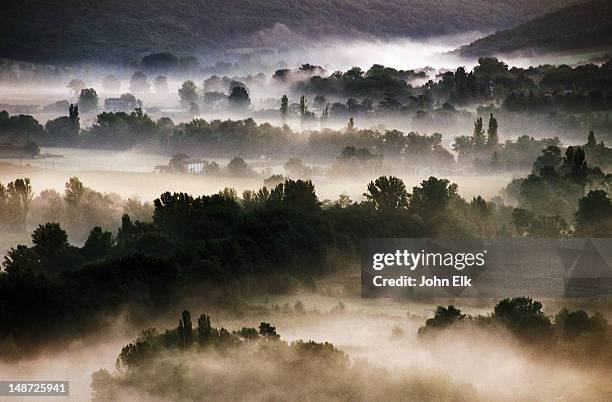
point(131, 173)
point(378, 333)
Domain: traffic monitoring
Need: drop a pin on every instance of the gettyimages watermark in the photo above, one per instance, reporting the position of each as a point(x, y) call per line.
point(425, 268)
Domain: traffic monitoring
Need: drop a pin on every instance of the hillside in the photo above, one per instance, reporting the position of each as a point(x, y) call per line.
point(583, 26)
point(67, 31)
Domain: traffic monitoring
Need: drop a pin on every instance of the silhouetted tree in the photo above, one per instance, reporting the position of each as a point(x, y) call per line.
point(493, 137)
point(479, 134)
point(591, 142)
point(99, 243)
point(284, 108)
point(268, 332)
point(188, 92)
point(431, 199)
point(205, 330)
point(88, 100)
point(49, 239)
point(239, 97)
point(185, 330)
point(387, 193)
point(303, 108)
point(594, 215)
point(524, 317)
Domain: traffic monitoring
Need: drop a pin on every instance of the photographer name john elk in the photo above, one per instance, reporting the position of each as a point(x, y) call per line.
point(425, 281)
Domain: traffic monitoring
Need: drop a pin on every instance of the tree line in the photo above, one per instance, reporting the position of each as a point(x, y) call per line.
point(218, 241)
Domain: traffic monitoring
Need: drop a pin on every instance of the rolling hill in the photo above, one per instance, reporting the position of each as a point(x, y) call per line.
point(582, 26)
point(68, 31)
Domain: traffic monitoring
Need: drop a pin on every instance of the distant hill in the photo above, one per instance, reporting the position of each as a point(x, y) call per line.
point(582, 26)
point(65, 31)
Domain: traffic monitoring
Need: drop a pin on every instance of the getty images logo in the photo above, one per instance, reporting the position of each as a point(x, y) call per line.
point(413, 260)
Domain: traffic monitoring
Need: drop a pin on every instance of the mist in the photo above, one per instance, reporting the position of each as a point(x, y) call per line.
point(379, 338)
point(238, 183)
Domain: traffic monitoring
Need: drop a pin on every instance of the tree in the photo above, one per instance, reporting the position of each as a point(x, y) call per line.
point(431, 199)
point(88, 100)
point(239, 97)
point(298, 194)
point(354, 73)
point(296, 168)
point(524, 317)
point(205, 330)
point(268, 332)
point(575, 165)
point(284, 108)
point(482, 209)
point(185, 330)
point(49, 239)
point(64, 130)
point(490, 67)
point(445, 316)
point(21, 259)
point(522, 220)
point(162, 62)
point(139, 83)
point(248, 334)
point(387, 193)
point(177, 162)
point(463, 145)
point(550, 159)
point(303, 106)
point(493, 137)
point(479, 137)
point(239, 168)
point(74, 193)
point(591, 142)
point(343, 201)
point(131, 101)
point(20, 197)
point(73, 113)
point(572, 324)
point(188, 93)
point(390, 103)
point(98, 243)
point(393, 143)
point(594, 215)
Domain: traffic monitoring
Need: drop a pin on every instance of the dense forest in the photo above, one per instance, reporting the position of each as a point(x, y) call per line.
point(281, 238)
point(114, 31)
